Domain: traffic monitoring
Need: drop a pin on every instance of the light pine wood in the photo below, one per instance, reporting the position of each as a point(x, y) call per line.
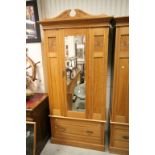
point(121, 105)
point(98, 63)
point(120, 100)
point(119, 123)
point(82, 119)
point(78, 144)
point(65, 15)
point(122, 21)
point(119, 134)
point(77, 130)
point(54, 71)
point(78, 126)
point(119, 151)
point(119, 138)
point(80, 20)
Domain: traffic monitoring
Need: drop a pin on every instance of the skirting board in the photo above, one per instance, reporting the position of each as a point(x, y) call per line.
point(78, 144)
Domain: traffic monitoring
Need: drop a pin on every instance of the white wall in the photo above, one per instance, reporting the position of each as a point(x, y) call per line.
point(34, 51)
point(69, 40)
point(51, 8)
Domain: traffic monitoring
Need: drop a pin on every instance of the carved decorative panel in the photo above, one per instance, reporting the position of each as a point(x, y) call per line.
point(124, 43)
point(98, 42)
point(52, 44)
point(75, 13)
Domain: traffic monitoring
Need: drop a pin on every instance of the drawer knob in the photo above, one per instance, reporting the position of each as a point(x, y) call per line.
point(89, 132)
point(125, 137)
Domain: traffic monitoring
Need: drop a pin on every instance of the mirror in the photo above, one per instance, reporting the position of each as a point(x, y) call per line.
point(75, 72)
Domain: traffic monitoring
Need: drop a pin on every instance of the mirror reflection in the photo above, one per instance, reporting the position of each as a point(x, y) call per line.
point(75, 72)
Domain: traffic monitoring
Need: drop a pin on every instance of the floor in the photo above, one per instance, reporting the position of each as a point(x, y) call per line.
point(56, 149)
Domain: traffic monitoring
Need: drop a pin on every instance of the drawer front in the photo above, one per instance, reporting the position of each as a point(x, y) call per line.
point(120, 136)
point(78, 130)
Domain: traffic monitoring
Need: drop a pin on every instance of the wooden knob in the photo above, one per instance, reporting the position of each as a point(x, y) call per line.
point(125, 137)
point(89, 132)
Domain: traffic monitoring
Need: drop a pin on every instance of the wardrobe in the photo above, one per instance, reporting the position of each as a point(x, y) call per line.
point(119, 120)
point(75, 53)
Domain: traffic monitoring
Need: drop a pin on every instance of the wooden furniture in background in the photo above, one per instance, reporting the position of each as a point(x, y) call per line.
point(83, 129)
point(37, 110)
point(119, 122)
point(70, 89)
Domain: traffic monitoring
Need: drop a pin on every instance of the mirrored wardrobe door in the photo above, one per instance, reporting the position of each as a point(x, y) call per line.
point(75, 71)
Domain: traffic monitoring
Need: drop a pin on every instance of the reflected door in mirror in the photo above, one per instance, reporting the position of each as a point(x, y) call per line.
point(75, 72)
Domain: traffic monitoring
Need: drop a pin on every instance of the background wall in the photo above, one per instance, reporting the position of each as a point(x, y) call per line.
point(52, 8)
point(34, 52)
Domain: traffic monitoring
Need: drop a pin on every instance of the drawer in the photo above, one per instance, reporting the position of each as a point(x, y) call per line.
point(79, 127)
point(78, 130)
point(119, 136)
